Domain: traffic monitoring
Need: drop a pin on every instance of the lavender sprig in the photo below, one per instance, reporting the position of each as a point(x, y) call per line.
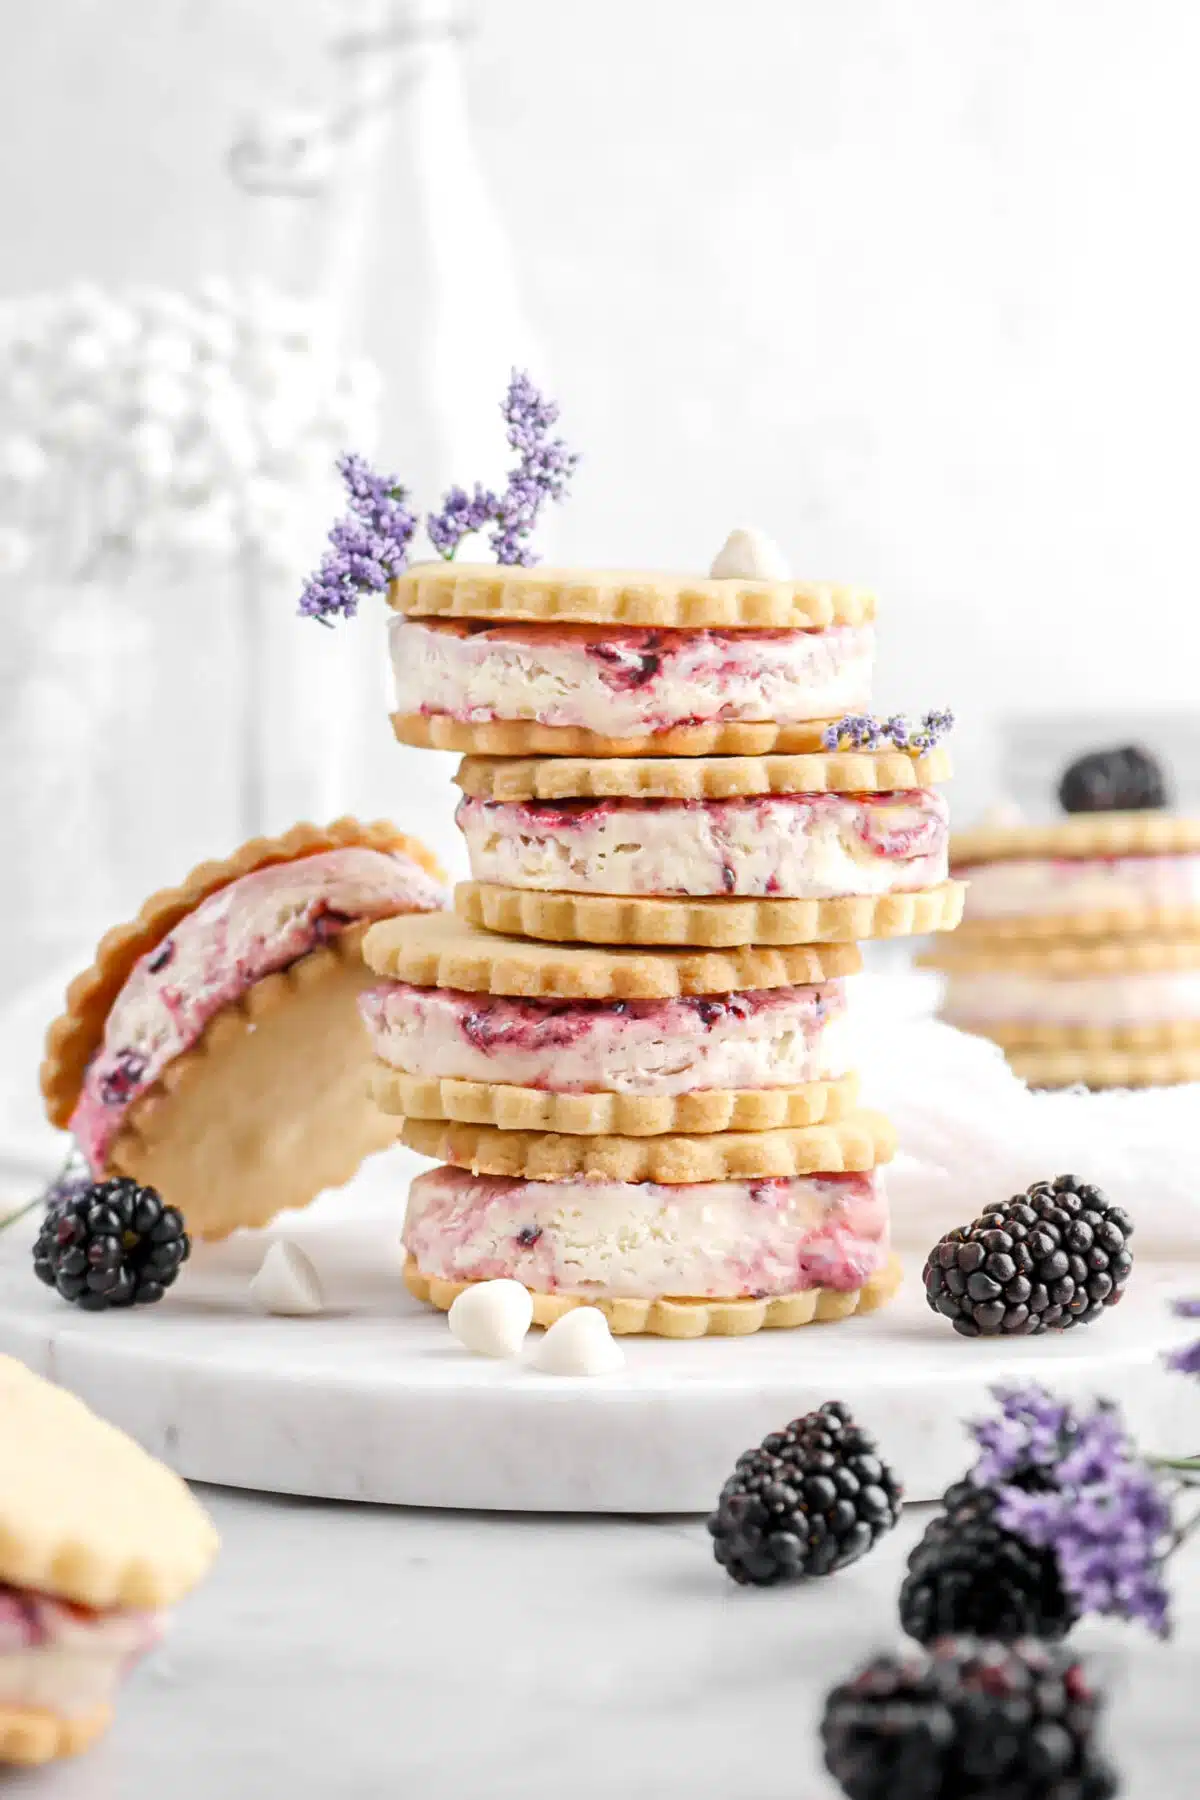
point(863, 731)
point(543, 472)
point(1098, 1505)
point(1187, 1360)
point(368, 547)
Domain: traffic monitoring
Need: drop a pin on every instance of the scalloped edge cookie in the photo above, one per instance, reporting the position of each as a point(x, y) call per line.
point(1093, 1068)
point(74, 1036)
point(86, 1514)
point(688, 1318)
point(1019, 1034)
point(1109, 922)
point(727, 777)
point(620, 1115)
point(443, 950)
point(268, 1108)
point(514, 737)
point(1080, 835)
point(625, 597)
point(854, 1144)
point(721, 924)
point(1062, 960)
point(30, 1736)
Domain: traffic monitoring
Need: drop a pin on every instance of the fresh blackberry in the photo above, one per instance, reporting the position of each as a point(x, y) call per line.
point(968, 1575)
point(967, 1720)
point(111, 1243)
point(811, 1499)
point(1124, 780)
point(1050, 1258)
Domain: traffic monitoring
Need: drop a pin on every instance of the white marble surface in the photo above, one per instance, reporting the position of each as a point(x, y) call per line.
point(389, 1655)
point(374, 1400)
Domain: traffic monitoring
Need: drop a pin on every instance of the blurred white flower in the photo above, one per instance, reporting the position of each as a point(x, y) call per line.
point(152, 451)
point(22, 460)
point(161, 396)
point(16, 549)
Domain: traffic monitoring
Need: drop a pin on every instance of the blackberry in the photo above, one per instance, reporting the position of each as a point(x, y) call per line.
point(968, 1575)
point(111, 1243)
point(811, 1499)
point(1124, 780)
point(967, 1720)
point(1050, 1258)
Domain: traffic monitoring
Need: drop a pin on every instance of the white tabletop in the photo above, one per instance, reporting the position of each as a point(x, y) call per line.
point(383, 1654)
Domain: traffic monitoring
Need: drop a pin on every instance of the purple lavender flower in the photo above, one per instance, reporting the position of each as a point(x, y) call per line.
point(862, 731)
point(368, 547)
point(543, 472)
point(1187, 1360)
point(1098, 1506)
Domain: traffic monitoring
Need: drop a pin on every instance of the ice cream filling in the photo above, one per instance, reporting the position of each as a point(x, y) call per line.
point(623, 683)
point(773, 1038)
point(259, 924)
point(802, 846)
point(1102, 884)
point(63, 1658)
point(1106, 1001)
point(709, 1240)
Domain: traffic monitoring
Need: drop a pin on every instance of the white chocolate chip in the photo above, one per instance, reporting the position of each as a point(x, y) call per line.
point(492, 1318)
point(286, 1282)
point(579, 1343)
point(750, 555)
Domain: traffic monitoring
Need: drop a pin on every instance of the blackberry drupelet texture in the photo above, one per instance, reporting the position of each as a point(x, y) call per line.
point(968, 1720)
point(111, 1244)
point(969, 1576)
point(811, 1499)
point(1128, 779)
point(1048, 1259)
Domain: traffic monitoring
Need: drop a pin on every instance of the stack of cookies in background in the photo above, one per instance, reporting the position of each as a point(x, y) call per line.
point(1080, 949)
point(628, 1045)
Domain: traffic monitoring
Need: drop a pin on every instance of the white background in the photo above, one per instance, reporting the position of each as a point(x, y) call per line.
point(914, 287)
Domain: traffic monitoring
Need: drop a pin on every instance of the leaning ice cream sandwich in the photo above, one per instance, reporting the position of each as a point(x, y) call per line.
point(721, 851)
point(96, 1540)
point(675, 1236)
point(214, 1050)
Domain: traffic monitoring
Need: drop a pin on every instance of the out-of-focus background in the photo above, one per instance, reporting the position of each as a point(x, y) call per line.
point(913, 289)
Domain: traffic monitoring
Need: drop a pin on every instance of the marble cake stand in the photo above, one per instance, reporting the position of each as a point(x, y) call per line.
point(374, 1401)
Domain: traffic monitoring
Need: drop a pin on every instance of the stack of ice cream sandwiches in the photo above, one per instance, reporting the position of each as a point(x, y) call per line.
point(627, 1046)
point(1080, 948)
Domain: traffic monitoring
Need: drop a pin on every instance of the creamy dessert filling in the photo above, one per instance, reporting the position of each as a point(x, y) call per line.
point(777, 1037)
point(63, 1658)
point(802, 846)
point(628, 682)
point(1109, 1001)
point(645, 1240)
point(1078, 884)
point(251, 928)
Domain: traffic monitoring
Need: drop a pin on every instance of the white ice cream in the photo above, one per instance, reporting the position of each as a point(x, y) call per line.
point(1105, 1001)
point(627, 683)
point(1035, 886)
point(775, 1038)
point(812, 846)
point(64, 1659)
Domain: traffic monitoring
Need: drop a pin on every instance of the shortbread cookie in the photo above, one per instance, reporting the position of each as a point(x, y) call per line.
point(434, 731)
point(214, 1050)
point(705, 778)
point(96, 1539)
point(1090, 875)
point(780, 846)
point(691, 1318)
point(719, 924)
point(1113, 1068)
point(622, 1114)
point(747, 1059)
point(861, 1141)
point(1132, 992)
point(629, 597)
point(633, 1245)
point(442, 950)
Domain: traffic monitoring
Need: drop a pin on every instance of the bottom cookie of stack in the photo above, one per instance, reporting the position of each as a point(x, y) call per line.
point(672, 1236)
point(1111, 1012)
